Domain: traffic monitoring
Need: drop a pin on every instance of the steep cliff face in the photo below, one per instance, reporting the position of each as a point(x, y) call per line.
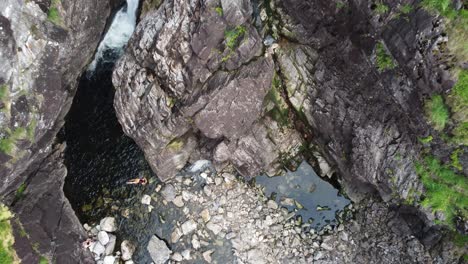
point(44, 47)
point(252, 84)
point(192, 85)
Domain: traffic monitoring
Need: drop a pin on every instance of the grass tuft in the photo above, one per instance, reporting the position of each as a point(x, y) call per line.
point(445, 189)
point(7, 253)
point(383, 58)
point(437, 112)
point(381, 8)
point(406, 9)
point(219, 10)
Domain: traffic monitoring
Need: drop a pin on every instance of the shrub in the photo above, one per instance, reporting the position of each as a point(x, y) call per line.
point(437, 112)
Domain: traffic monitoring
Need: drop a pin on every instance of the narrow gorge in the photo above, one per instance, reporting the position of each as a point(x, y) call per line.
point(233, 131)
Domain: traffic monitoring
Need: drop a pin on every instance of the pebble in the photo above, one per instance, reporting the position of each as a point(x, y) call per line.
point(272, 204)
point(103, 237)
point(110, 246)
point(127, 249)
point(146, 199)
point(169, 193)
point(188, 227)
point(158, 250)
point(205, 214)
point(108, 224)
point(176, 235)
point(214, 228)
point(186, 254)
point(177, 257)
point(109, 260)
point(98, 249)
point(178, 201)
point(207, 255)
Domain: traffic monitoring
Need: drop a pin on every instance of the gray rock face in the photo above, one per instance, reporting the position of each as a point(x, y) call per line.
point(158, 250)
point(41, 60)
point(192, 86)
point(47, 218)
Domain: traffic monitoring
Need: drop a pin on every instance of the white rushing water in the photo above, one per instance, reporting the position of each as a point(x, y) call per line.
point(119, 32)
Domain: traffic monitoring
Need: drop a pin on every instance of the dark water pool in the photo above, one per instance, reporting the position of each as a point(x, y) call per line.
point(303, 191)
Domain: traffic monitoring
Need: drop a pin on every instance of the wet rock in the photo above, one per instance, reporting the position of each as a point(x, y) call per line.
point(108, 224)
point(146, 199)
point(158, 250)
point(169, 193)
point(127, 248)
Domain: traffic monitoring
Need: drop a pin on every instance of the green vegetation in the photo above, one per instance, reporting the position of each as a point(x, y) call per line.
point(176, 144)
point(54, 15)
point(381, 8)
point(8, 144)
point(457, 26)
point(280, 110)
point(437, 112)
point(219, 10)
point(406, 9)
point(43, 260)
point(460, 134)
point(454, 157)
point(31, 129)
point(426, 140)
point(383, 58)
point(445, 189)
point(3, 92)
point(233, 36)
point(340, 5)
point(20, 191)
point(7, 253)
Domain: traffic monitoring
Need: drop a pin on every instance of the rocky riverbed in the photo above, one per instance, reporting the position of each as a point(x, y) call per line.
point(208, 217)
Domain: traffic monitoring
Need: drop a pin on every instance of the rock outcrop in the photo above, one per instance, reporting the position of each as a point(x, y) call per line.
point(44, 47)
point(192, 85)
point(252, 85)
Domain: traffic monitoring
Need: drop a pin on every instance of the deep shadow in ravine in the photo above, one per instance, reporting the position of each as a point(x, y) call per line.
point(100, 158)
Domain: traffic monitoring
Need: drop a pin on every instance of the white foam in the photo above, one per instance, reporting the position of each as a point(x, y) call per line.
point(119, 32)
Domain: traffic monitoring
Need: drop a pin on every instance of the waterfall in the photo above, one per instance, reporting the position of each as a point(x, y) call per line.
point(119, 32)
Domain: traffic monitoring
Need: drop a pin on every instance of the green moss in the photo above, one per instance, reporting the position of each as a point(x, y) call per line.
point(86, 207)
point(426, 140)
point(7, 253)
point(381, 8)
point(383, 58)
point(20, 191)
point(219, 10)
point(43, 260)
point(437, 112)
point(406, 9)
point(3, 92)
point(31, 130)
point(340, 5)
point(460, 134)
point(454, 157)
point(233, 36)
point(54, 15)
point(445, 189)
point(176, 144)
point(280, 110)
